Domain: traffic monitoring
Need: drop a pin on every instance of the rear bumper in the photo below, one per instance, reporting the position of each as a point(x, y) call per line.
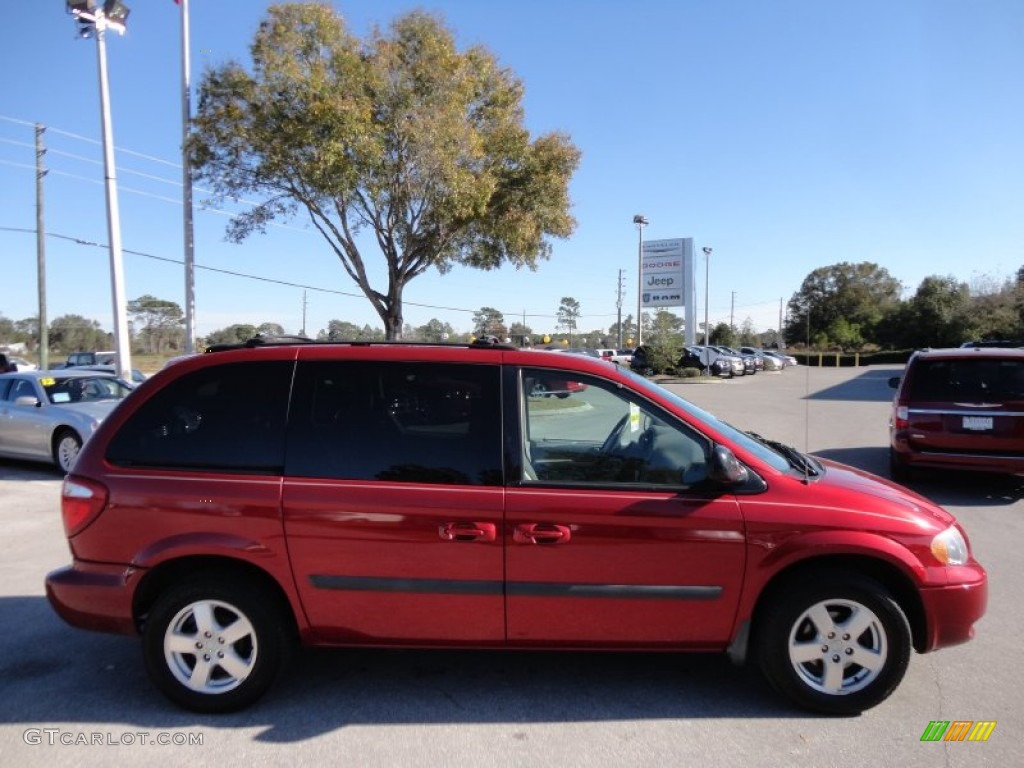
point(94, 596)
point(951, 611)
point(907, 455)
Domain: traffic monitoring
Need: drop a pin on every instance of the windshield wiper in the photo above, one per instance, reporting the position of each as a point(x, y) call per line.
point(799, 461)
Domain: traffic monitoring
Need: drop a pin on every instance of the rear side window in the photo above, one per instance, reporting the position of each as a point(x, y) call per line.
point(396, 422)
point(978, 380)
point(227, 417)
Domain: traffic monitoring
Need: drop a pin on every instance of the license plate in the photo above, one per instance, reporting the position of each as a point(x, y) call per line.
point(979, 423)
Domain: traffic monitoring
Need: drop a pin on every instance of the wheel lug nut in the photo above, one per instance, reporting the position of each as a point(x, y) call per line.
point(831, 635)
point(836, 658)
point(206, 657)
point(207, 634)
point(846, 637)
point(824, 649)
point(220, 640)
point(220, 654)
point(199, 645)
point(849, 651)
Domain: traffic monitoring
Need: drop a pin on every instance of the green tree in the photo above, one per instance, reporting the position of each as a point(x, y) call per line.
point(233, 334)
point(159, 324)
point(937, 314)
point(270, 329)
point(74, 333)
point(723, 334)
point(664, 341)
point(401, 135)
point(342, 330)
point(568, 315)
point(489, 322)
point(436, 331)
point(845, 299)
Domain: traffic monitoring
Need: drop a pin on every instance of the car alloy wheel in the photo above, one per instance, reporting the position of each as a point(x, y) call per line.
point(213, 647)
point(836, 643)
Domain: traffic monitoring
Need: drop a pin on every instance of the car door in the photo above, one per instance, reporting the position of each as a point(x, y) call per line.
point(616, 536)
point(24, 429)
point(393, 501)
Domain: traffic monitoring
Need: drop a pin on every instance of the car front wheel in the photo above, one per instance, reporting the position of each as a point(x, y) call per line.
point(66, 446)
point(838, 644)
point(213, 646)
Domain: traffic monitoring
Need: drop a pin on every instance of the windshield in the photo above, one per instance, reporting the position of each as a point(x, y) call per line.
point(740, 439)
point(81, 389)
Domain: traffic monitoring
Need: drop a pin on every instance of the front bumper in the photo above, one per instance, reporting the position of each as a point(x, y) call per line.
point(94, 596)
point(951, 611)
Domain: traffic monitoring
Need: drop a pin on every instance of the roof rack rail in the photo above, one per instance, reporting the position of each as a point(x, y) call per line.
point(260, 340)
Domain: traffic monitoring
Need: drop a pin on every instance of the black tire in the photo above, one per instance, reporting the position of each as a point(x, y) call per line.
point(66, 445)
point(173, 644)
point(823, 668)
point(898, 471)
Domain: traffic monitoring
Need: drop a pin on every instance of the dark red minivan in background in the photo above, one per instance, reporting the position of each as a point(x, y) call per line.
point(959, 409)
point(380, 494)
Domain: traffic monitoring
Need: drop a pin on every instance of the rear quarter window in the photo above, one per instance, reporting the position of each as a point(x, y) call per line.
point(228, 417)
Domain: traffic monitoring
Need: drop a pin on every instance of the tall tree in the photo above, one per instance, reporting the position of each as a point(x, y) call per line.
point(401, 135)
point(489, 322)
point(568, 315)
point(159, 323)
point(232, 334)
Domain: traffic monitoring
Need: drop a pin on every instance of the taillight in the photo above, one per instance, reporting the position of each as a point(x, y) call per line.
point(81, 502)
point(902, 419)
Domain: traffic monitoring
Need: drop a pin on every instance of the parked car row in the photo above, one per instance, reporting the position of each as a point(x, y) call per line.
point(721, 361)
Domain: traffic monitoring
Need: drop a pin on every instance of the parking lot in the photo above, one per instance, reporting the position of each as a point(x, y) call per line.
point(77, 698)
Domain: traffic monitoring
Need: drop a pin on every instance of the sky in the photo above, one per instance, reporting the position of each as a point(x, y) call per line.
point(786, 135)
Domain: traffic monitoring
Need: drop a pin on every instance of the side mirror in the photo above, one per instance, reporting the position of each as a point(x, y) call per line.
point(894, 382)
point(726, 468)
point(27, 400)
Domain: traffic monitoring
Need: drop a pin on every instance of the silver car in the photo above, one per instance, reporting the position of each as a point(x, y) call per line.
point(47, 415)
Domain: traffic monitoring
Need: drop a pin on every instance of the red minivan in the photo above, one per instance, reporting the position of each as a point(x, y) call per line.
point(959, 409)
point(375, 494)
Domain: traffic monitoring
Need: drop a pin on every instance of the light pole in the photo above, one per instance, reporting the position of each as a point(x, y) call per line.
point(94, 19)
point(186, 186)
point(707, 328)
point(641, 222)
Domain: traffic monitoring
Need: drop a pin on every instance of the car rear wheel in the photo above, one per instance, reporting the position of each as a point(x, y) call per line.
point(837, 644)
point(898, 470)
point(214, 646)
point(66, 446)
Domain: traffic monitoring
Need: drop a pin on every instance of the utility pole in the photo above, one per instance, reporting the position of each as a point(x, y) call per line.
point(618, 307)
point(779, 342)
point(186, 187)
point(304, 302)
point(732, 309)
point(44, 332)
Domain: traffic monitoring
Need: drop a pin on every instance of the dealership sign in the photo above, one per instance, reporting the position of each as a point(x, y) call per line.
point(664, 270)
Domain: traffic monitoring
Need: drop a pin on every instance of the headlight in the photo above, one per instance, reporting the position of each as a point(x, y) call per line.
point(949, 547)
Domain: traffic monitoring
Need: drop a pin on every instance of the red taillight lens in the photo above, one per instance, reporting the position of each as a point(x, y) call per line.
point(81, 502)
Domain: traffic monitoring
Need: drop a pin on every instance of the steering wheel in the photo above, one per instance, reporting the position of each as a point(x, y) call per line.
point(614, 440)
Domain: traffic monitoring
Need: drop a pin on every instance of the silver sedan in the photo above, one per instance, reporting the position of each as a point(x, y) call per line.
point(47, 415)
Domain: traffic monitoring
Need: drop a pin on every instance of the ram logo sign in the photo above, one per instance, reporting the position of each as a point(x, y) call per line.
point(958, 730)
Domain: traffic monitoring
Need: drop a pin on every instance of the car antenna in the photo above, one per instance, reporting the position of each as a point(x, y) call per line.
point(807, 399)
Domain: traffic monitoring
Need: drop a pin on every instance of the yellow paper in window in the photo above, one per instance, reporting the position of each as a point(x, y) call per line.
point(634, 417)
